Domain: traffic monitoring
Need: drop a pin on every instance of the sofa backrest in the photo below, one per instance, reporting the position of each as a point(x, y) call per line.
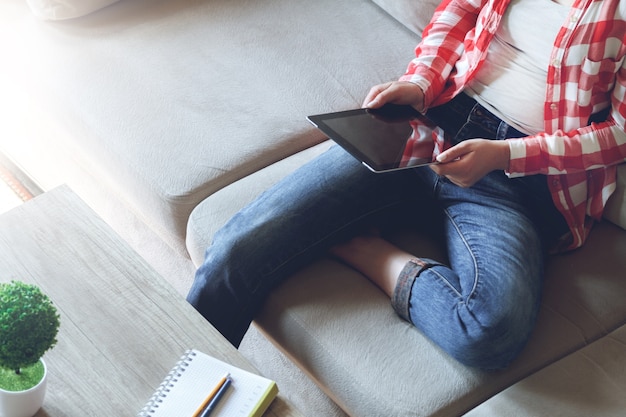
point(66, 9)
point(414, 14)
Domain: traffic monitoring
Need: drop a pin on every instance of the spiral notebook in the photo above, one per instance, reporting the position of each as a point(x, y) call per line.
point(195, 375)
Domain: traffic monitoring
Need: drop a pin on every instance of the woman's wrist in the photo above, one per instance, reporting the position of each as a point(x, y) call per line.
point(504, 154)
point(419, 104)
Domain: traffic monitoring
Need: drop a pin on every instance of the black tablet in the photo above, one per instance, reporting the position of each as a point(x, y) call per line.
point(383, 139)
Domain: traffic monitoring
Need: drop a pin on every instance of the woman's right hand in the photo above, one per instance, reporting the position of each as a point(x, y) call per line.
point(396, 92)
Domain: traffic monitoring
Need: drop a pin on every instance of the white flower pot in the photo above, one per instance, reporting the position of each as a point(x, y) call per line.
point(24, 403)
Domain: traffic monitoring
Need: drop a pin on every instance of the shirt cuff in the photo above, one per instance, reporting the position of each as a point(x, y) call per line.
point(517, 148)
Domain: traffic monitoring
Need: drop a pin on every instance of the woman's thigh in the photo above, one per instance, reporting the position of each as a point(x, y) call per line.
point(325, 201)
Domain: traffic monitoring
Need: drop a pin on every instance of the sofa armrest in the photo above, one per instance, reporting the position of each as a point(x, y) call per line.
point(615, 210)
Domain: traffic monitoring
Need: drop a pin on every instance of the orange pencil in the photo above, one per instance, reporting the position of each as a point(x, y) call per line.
point(212, 394)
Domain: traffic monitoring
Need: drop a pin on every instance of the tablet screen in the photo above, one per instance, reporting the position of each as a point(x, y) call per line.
point(383, 139)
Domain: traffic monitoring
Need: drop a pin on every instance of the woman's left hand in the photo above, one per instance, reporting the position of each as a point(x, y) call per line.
point(467, 162)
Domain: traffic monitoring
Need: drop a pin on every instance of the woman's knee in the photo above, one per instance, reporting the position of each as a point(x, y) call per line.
point(493, 343)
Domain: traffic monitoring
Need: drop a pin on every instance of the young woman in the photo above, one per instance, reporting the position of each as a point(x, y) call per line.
point(535, 104)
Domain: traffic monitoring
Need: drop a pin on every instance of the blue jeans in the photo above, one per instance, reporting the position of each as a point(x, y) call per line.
point(480, 308)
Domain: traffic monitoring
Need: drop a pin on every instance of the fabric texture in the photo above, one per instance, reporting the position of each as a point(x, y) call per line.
point(172, 124)
point(589, 382)
point(66, 9)
point(512, 80)
point(413, 14)
point(455, 46)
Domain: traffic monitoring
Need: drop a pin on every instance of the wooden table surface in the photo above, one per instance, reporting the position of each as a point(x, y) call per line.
point(122, 326)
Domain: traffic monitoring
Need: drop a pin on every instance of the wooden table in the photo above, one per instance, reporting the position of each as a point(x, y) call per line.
point(122, 326)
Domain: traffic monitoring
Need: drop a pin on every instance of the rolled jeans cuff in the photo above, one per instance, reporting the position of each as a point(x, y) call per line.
point(402, 293)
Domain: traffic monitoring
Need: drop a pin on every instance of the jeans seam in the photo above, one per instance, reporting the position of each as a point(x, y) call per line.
point(447, 283)
point(503, 128)
point(470, 294)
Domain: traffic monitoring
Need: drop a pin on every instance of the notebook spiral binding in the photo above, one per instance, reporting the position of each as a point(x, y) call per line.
point(168, 382)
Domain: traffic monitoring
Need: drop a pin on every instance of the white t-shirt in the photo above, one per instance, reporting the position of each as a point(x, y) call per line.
point(512, 81)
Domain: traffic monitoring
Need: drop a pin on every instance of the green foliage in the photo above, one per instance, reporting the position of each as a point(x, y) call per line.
point(29, 323)
point(28, 378)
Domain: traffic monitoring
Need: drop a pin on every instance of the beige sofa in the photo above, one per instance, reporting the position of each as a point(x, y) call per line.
point(168, 116)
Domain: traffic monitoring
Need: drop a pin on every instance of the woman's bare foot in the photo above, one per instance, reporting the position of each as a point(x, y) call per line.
point(376, 258)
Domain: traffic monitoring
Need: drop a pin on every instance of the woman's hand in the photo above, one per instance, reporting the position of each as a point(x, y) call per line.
point(396, 92)
point(466, 163)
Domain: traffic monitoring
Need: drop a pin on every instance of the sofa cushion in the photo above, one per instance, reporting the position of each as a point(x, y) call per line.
point(212, 213)
point(66, 9)
point(342, 331)
point(590, 382)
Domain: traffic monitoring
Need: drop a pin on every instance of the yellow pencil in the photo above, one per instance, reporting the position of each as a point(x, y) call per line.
point(212, 394)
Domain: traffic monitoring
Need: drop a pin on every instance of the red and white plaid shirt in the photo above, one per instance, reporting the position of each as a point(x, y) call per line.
point(587, 74)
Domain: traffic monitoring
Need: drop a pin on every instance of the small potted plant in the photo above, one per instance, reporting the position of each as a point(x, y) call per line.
point(29, 323)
